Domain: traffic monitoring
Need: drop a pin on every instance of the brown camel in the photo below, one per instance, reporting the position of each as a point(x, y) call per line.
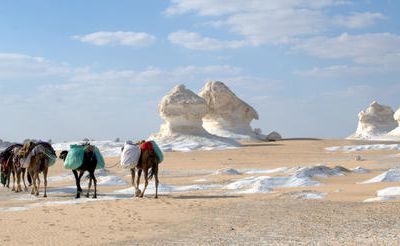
point(38, 161)
point(147, 161)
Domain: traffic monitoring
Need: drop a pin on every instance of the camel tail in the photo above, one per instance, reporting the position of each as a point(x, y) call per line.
point(154, 169)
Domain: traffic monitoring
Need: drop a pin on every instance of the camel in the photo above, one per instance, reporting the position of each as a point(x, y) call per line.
point(89, 164)
point(148, 160)
point(36, 156)
point(8, 165)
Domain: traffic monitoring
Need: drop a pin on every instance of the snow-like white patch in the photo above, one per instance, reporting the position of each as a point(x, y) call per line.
point(263, 184)
point(387, 194)
point(267, 171)
point(200, 180)
point(392, 175)
point(185, 143)
point(360, 170)
point(351, 148)
point(227, 171)
point(389, 191)
point(107, 148)
point(61, 177)
point(13, 209)
point(301, 177)
point(166, 189)
point(111, 181)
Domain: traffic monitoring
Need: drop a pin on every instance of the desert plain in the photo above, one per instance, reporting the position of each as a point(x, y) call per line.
point(243, 196)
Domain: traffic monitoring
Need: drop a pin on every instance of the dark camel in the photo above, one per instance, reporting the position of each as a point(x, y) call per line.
point(89, 164)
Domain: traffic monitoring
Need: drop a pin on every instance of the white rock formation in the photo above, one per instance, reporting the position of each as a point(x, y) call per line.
point(227, 115)
point(274, 136)
point(182, 111)
point(396, 132)
point(377, 120)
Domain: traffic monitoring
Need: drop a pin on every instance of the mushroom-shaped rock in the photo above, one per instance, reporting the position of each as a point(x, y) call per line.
point(396, 131)
point(182, 111)
point(227, 115)
point(274, 136)
point(375, 121)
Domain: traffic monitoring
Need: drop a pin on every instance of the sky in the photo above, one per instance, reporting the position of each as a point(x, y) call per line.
point(72, 69)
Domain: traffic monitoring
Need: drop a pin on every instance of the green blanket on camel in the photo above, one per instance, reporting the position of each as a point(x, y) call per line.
point(75, 157)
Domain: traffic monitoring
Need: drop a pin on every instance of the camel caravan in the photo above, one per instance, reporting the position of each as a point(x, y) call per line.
point(32, 158)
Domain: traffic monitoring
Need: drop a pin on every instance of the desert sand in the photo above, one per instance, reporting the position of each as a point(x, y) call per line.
point(196, 208)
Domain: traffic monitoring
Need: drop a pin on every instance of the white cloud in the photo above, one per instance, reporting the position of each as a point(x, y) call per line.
point(24, 66)
point(262, 22)
point(117, 38)
point(340, 71)
point(278, 26)
point(223, 7)
point(358, 20)
point(371, 48)
point(193, 40)
point(158, 76)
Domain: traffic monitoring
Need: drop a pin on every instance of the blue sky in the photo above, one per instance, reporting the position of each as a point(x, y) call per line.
point(97, 69)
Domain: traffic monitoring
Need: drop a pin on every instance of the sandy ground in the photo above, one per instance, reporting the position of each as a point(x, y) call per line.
point(216, 216)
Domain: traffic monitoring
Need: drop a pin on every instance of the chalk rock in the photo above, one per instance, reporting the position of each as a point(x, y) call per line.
point(274, 136)
point(396, 131)
point(227, 114)
point(376, 120)
point(182, 111)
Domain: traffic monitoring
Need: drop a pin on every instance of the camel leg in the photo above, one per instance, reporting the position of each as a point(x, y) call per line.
point(14, 180)
point(78, 185)
point(90, 184)
point(29, 177)
point(38, 183)
point(33, 176)
point(19, 180)
point(78, 194)
point(133, 173)
point(95, 184)
point(146, 181)
point(138, 191)
point(8, 177)
point(156, 181)
point(46, 169)
point(23, 178)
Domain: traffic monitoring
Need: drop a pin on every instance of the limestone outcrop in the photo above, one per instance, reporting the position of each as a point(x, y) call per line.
point(377, 120)
point(183, 111)
point(396, 131)
point(227, 115)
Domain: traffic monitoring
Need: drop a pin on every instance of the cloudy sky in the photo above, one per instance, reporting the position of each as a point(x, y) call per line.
point(71, 69)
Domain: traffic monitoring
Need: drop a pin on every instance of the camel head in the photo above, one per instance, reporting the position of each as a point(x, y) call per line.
point(63, 155)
